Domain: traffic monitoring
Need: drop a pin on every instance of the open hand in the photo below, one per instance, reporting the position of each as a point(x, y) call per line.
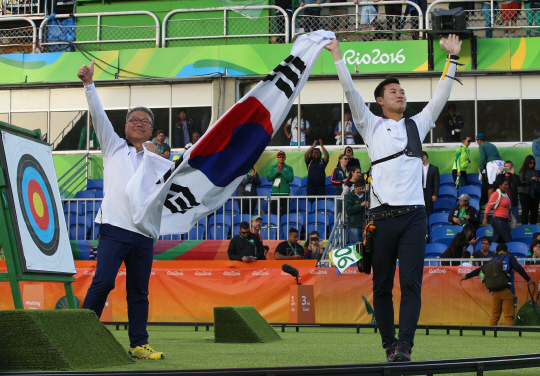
point(86, 73)
point(452, 44)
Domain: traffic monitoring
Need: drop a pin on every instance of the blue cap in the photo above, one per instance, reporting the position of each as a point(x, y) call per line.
point(480, 136)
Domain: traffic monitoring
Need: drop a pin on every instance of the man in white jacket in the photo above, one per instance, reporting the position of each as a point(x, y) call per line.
point(120, 241)
point(394, 146)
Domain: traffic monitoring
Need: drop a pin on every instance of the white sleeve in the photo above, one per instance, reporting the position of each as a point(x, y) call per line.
point(108, 139)
point(431, 112)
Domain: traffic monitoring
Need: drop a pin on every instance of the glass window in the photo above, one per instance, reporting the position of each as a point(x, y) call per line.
point(499, 120)
point(31, 120)
point(200, 119)
point(455, 122)
point(68, 131)
point(531, 118)
point(161, 123)
point(118, 121)
point(281, 137)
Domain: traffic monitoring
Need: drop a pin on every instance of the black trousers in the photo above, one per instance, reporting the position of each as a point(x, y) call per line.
point(529, 209)
point(429, 203)
point(463, 177)
point(402, 238)
point(312, 190)
point(393, 19)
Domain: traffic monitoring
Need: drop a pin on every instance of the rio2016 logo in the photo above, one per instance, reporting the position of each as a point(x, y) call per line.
point(352, 57)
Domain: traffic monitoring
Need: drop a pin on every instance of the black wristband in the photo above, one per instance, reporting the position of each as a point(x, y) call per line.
point(453, 57)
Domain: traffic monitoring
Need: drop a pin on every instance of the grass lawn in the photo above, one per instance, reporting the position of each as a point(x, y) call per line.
point(185, 348)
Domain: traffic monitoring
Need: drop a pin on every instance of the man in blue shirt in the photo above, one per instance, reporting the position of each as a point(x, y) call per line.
point(316, 167)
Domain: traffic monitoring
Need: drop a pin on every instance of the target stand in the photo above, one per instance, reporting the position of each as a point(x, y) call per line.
point(33, 230)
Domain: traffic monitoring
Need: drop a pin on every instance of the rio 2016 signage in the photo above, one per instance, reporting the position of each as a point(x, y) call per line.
point(385, 56)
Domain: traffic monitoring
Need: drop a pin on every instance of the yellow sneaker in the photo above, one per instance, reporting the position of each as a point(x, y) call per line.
point(145, 352)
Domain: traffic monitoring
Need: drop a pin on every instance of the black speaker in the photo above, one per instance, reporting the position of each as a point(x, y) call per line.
point(448, 20)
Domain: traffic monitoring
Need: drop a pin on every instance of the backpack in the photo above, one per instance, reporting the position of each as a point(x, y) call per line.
point(495, 278)
point(529, 313)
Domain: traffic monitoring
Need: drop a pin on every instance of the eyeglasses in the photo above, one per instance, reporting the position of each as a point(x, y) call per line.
point(345, 159)
point(468, 140)
point(281, 156)
point(531, 162)
point(244, 232)
point(136, 121)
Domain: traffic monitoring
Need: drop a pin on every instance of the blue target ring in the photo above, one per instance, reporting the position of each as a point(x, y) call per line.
point(31, 174)
point(38, 205)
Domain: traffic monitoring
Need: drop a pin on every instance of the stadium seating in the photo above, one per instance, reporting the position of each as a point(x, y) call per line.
point(447, 191)
point(321, 205)
point(264, 183)
point(99, 194)
point(272, 232)
point(443, 205)
point(444, 234)
point(432, 256)
point(518, 247)
point(94, 185)
point(446, 179)
point(169, 237)
point(484, 231)
point(475, 203)
point(435, 248)
point(472, 179)
point(298, 191)
point(236, 222)
point(304, 181)
point(299, 205)
point(524, 233)
point(196, 232)
point(297, 182)
point(328, 181)
point(289, 221)
point(231, 208)
point(438, 219)
point(317, 222)
point(221, 228)
point(472, 190)
point(78, 228)
point(329, 190)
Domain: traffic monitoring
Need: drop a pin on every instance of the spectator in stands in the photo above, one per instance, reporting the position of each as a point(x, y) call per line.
point(393, 19)
point(509, 14)
point(316, 167)
point(256, 225)
point(513, 187)
point(536, 236)
point(195, 137)
point(453, 124)
point(470, 234)
point(463, 213)
point(368, 19)
point(529, 191)
point(500, 203)
point(248, 187)
point(281, 175)
point(534, 252)
point(466, 256)
point(536, 143)
point(356, 206)
point(245, 246)
point(462, 162)
point(313, 247)
point(350, 129)
point(94, 142)
point(338, 18)
point(340, 174)
point(490, 161)
point(312, 23)
point(503, 300)
point(352, 160)
point(484, 251)
point(163, 149)
point(354, 175)
point(486, 12)
point(290, 249)
point(183, 129)
point(119, 238)
point(293, 124)
point(532, 10)
point(430, 183)
point(286, 5)
point(455, 249)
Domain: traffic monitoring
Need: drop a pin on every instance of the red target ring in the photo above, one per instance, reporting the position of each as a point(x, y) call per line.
point(39, 207)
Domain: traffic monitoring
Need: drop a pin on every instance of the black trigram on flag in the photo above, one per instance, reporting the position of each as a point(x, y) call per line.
point(285, 68)
point(174, 201)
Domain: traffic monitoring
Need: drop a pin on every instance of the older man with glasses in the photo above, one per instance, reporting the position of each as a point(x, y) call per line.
point(120, 241)
point(462, 162)
point(246, 246)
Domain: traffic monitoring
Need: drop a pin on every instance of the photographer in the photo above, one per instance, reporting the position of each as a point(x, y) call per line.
point(463, 213)
point(313, 247)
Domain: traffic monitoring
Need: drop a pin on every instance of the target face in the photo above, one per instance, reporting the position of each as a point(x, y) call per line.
point(38, 204)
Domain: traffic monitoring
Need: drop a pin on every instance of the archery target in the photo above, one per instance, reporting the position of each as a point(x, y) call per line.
point(43, 238)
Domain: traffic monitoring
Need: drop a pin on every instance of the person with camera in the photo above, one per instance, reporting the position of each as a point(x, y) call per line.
point(463, 213)
point(356, 205)
point(313, 247)
point(503, 298)
point(529, 191)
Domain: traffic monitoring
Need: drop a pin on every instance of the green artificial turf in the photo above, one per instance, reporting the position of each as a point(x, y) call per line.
point(185, 348)
point(242, 324)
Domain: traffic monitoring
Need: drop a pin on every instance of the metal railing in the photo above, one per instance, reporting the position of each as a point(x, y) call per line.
point(19, 39)
point(363, 23)
point(74, 178)
point(67, 128)
point(106, 37)
point(24, 7)
point(205, 31)
point(496, 22)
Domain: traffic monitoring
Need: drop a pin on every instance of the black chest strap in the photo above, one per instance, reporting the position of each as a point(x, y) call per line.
point(414, 144)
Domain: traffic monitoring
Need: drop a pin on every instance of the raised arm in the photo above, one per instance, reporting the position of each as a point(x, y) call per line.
point(108, 139)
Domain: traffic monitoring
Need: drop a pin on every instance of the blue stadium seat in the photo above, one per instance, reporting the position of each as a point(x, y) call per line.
point(447, 191)
point(472, 179)
point(438, 219)
point(92, 206)
point(272, 232)
point(231, 208)
point(304, 181)
point(78, 228)
point(297, 182)
point(444, 234)
point(264, 183)
point(169, 237)
point(329, 190)
point(85, 194)
point(524, 233)
point(299, 191)
point(518, 247)
point(318, 206)
point(264, 191)
point(435, 248)
point(519, 255)
point(291, 220)
point(71, 207)
point(475, 203)
point(472, 190)
point(220, 229)
point(484, 231)
point(99, 194)
point(197, 231)
point(446, 179)
point(328, 181)
point(432, 256)
point(94, 185)
point(236, 222)
point(317, 222)
point(443, 205)
point(300, 205)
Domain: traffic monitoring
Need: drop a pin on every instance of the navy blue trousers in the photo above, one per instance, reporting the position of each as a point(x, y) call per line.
point(402, 238)
point(117, 245)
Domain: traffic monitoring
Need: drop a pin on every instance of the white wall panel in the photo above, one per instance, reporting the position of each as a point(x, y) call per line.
point(315, 92)
point(68, 99)
point(192, 95)
point(5, 100)
point(151, 96)
point(530, 87)
point(114, 97)
point(30, 100)
point(498, 87)
point(465, 92)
